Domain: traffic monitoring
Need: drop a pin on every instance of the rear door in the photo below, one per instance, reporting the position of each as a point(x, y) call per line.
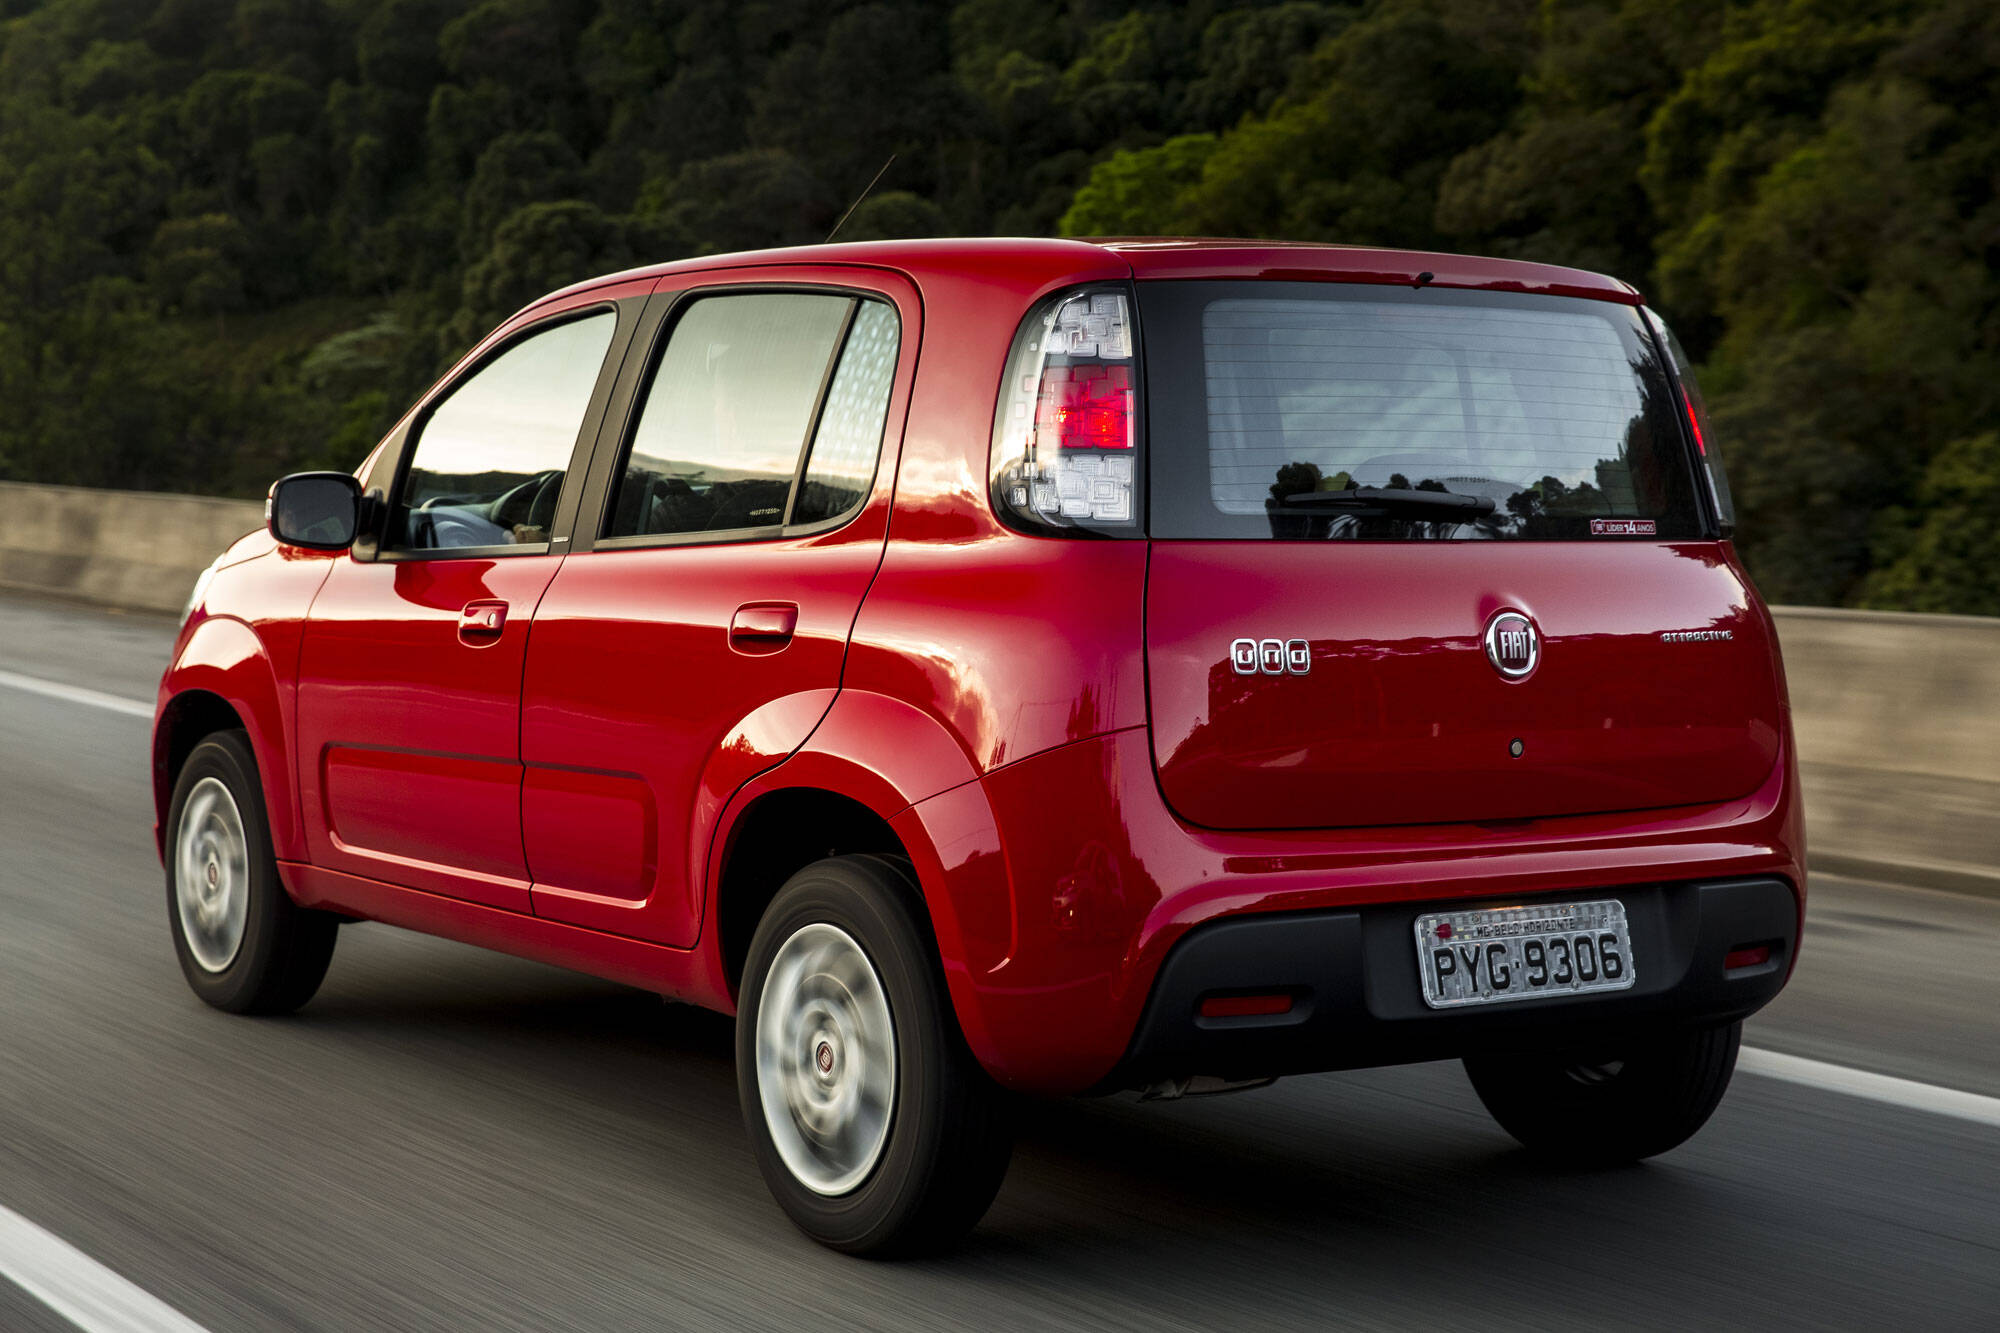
point(737, 516)
point(410, 664)
point(1434, 556)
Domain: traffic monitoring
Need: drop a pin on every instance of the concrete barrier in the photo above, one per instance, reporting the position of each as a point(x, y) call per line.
point(1898, 720)
point(1898, 716)
point(118, 548)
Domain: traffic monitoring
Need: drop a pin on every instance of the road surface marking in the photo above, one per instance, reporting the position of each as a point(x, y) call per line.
point(76, 694)
point(77, 1287)
point(1874, 1087)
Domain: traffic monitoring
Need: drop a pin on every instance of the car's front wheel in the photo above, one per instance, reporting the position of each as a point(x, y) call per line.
point(872, 1123)
point(1609, 1107)
point(244, 945)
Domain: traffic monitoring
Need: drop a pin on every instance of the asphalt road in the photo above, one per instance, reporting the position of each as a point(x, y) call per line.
point(447, 1138)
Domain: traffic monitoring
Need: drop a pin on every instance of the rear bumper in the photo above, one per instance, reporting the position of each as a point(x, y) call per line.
point(1352, 976)
point(1061, 885)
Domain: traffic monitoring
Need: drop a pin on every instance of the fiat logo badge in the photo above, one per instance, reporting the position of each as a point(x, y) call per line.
point(1513, 645)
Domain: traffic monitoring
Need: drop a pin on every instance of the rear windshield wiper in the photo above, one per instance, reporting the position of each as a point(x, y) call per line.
point(1443, 503)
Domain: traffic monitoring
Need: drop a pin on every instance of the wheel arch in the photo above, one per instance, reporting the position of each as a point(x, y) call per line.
point(865, 782)
point(224, 679)
point(776, 835)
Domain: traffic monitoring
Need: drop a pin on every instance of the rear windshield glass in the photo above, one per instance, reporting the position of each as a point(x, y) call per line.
point(1321, 411)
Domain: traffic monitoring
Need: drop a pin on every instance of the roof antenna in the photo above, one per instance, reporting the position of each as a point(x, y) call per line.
point(858, 198)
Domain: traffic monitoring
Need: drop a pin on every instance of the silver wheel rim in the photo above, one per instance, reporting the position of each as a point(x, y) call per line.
point(826, 1059)
point(212, 875)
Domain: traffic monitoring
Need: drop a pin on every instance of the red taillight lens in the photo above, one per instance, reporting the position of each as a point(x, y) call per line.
point(1694, 422)
point(1245, 1006)
point(1697, 421)
point(1750, 957)
point(1066, 433)
point(1085, 407)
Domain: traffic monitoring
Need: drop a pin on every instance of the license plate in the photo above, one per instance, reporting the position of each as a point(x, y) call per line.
point(1494, 954)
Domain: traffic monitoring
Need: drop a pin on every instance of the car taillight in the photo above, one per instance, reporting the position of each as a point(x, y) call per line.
point(1696, 416)
point(1085, 407)
point(1066, 430)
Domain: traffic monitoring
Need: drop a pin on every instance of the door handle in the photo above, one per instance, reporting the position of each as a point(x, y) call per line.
point(481, 622)
point(763, 627)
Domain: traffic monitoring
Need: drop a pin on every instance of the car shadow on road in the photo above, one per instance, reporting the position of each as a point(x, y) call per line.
point(1300, 1198)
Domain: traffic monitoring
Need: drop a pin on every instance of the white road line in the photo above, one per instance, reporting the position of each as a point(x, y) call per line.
point(77, 1287)
point(1882, 1088)
point(76, 694)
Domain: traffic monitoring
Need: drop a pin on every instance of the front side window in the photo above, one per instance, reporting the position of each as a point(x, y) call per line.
point(1305, 412)
point(490, 459)
point(746, 381)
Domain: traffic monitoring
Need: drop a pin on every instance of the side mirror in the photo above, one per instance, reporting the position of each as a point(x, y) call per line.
point(320, 511)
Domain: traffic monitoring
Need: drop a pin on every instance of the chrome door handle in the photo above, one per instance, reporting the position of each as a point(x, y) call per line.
point(482, 621)
point(763, 627)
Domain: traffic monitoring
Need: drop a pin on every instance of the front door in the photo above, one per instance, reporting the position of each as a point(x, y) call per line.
point(701, 639)
point(410, 666)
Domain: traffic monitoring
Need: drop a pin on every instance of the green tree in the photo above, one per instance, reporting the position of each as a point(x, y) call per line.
point(1138, 192)
point(240, 235)
point(538, 248)
point(1942, 553)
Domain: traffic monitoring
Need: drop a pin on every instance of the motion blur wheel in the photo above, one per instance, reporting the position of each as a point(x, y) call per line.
point(872, 1124)
point(244, 945)
point(826, 1059)
point(1610, 1107)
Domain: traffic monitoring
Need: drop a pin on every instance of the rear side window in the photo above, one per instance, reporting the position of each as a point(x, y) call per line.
point(1319, 411)
point(765, 410)
point(848, 439)
point(491, 457)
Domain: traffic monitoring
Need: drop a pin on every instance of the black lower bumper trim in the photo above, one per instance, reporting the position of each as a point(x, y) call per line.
point(1357, 1003)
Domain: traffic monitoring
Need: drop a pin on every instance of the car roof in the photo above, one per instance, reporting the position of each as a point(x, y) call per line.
point(1169, 257)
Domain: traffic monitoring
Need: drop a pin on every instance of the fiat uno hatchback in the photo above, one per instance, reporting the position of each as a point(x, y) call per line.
point(998, 667)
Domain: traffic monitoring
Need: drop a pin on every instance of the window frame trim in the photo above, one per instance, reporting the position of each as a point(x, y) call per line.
point(621, 422)
point(575, 481)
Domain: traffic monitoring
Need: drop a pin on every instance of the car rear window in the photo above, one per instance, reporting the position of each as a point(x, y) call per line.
point(1324, 411)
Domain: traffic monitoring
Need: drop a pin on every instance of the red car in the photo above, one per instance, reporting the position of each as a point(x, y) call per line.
point(993, 667)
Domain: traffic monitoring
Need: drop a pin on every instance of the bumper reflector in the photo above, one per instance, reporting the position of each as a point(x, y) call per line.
point(1244, 1006)
point(1750, 957)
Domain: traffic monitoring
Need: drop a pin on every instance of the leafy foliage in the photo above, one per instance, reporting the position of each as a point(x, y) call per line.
point(238, 236)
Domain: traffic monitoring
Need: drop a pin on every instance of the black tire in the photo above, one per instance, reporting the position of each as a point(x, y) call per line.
point(949, 1133)
point(1610, 1108)
point(284, 948)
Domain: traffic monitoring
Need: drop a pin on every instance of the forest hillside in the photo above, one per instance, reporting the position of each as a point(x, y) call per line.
point(238, 236)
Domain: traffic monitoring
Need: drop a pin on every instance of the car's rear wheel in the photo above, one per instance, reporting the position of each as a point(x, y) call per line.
point(1614, 1106)
point(244, 945)
point(873, 1125)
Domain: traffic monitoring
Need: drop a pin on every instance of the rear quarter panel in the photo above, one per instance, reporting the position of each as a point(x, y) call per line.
point(1013, 643)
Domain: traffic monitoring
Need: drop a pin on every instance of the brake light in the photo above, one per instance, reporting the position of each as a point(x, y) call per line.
point(1066, 431)
point(1694, 422)
point(1697, 423)
point(1085, 407)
